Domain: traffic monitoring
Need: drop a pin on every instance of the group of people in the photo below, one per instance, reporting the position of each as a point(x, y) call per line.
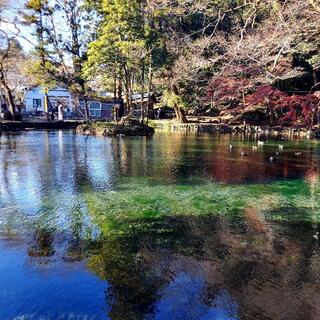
point(3, 110)
point(60, 112)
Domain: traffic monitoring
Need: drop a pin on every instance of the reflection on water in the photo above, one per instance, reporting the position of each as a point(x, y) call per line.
point(168, 227)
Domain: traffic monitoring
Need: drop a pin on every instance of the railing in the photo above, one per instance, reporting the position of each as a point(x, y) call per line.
point(31, 116)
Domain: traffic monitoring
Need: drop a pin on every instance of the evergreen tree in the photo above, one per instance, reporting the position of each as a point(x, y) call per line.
point(120, 46)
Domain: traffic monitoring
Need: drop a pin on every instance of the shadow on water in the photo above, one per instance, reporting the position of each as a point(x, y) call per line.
point(211, 268)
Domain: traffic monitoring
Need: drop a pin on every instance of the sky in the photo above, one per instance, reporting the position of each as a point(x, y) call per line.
point(9, 14)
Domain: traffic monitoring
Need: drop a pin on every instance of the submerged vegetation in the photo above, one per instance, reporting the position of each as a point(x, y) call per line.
point(140, 228)
point(156, 233)
point(139, 200)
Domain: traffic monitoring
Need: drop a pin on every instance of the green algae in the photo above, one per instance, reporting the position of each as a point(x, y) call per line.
point(140, 199)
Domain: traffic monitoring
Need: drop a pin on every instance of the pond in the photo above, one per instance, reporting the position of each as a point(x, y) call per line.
point(177, 226)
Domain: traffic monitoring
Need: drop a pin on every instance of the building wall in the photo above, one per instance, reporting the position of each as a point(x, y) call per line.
point(100, 110)
point(54, 95)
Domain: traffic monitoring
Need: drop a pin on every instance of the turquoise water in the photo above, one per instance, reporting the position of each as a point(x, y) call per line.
point(170, 227)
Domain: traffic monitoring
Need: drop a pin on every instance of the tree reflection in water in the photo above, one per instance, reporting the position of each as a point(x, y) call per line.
point(179, 230)
point(172, 267)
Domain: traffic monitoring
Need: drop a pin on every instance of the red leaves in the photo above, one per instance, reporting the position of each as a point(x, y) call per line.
point(290, 109)
point(234, 84)
point(282, 107)
point(300, 109)
point(226, 89)
point(265, 95)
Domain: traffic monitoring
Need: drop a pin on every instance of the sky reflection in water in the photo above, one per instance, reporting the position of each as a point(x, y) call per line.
point(169, 227)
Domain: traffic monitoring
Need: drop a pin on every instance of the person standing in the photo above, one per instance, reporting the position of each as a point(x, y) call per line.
point(68, 114)
point(60, 111)
point(4, 107)
point(52, 114)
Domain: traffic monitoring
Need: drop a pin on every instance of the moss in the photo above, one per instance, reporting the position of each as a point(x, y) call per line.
point(113, 129)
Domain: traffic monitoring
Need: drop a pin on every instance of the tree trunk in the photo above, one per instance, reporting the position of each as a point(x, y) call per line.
point(315, 76)
point(115, 87)
point(86, 111)
point(128, 87)
point(312, 120)
point(126, 118)
point(150, 78)
point(119, 89)
point(270, 110)
point(10, 99)
point(271, 115)
point(8, 94)
point(83, 93)
point(180, 114)
point(142, 108)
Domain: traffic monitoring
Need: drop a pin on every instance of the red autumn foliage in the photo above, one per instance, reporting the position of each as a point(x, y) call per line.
point(265, 95)
point(225, 89)
point(285, 108)
point(281, 107)
point(299, 109)
point(233, 85)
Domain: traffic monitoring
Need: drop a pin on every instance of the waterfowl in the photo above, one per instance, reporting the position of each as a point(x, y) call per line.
point(243, 154)
point(260, 143)
point(231, 146)
point(254, 148)
point(297, 154)
point(280, 147)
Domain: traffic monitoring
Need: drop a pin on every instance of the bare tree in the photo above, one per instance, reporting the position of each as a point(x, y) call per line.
point(8, 48)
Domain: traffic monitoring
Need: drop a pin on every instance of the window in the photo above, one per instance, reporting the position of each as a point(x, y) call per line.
point(95, 109)
point(36, 103)
point(107, 106)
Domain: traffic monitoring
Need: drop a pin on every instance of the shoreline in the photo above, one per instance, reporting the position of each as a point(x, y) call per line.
point(223, 128)
point(109, 129)
point(16, 126)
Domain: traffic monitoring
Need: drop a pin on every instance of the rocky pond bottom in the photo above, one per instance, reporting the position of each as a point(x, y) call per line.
point(172, 226)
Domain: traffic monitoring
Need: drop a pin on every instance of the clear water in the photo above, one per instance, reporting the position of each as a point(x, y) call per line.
point(170, 227)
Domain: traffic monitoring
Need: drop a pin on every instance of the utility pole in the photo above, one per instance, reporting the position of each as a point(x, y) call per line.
point(46, 103)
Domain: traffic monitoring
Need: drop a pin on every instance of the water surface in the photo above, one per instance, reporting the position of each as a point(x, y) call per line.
point(170, 227)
